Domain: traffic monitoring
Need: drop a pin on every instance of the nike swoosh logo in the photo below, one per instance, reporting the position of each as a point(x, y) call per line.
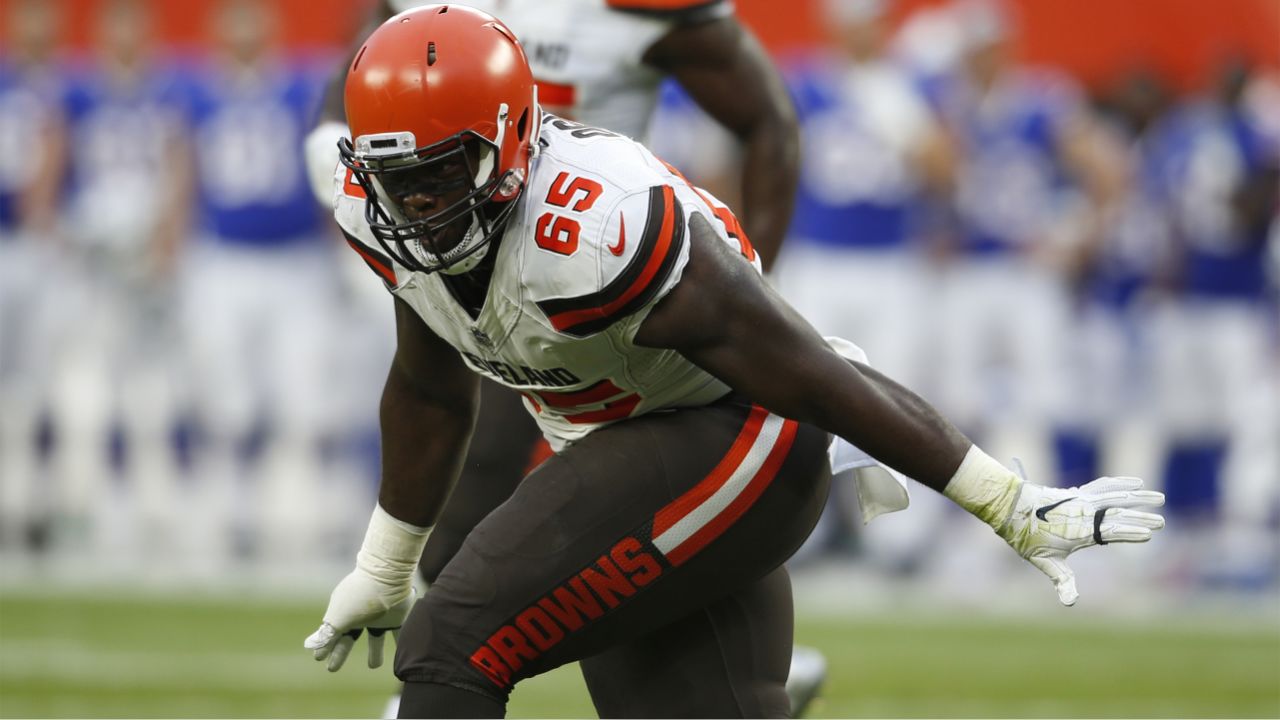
point(622, 237)
point(1042, 512)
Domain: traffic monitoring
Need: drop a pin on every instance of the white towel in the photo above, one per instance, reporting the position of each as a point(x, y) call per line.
point(880, 488)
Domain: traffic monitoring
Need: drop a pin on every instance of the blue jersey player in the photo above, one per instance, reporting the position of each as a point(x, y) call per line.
point(31, 149)
point(261, 247)
point(1031, 189)
point(123, 217)
point(1215, 336)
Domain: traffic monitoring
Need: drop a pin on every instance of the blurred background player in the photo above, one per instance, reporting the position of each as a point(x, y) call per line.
point(854, 264)
point(32, 143)
point(123, 219)
point(44, 42)
point(1032, 188)
point(1110, 364)
point(601, 63)
point(1216, 328)
point(258, 351)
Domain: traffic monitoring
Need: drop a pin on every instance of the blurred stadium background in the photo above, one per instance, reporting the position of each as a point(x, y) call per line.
point(1057, 219)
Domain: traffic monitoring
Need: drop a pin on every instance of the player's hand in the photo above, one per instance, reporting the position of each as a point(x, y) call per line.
point(1048, 524)
point(377, 595)
point(360, 602)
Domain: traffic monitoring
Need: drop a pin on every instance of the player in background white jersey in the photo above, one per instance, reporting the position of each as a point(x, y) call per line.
point(601, 62)
point(570, 264)
point(32, 147)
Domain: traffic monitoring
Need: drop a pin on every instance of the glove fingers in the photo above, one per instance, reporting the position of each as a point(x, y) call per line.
point(1122, 525)
point(376, 642)
point(1064, 580)
point(341, 649)
point(1124, 533)
point(320, 641)
point(1111, 484)
point(1137, 518)
point(1139, 499)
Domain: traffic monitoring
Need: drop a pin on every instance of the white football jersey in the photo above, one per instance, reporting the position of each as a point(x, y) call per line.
point(598, 237)
point(587, 54)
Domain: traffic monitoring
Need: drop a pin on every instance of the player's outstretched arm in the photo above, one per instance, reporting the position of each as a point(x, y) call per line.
point(428, 411)
point(722, 316)
point(725, 70)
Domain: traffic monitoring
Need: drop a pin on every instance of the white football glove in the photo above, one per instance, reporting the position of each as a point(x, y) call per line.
point(358, 603)
point(1044, 525)
point(377, 595)
point(1048, 524)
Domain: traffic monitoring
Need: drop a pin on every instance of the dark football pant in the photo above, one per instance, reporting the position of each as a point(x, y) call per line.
point(651, 551)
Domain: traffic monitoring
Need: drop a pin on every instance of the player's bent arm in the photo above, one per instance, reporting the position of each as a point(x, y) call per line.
point(725, 70)
point(428, 411)
point(723, 317)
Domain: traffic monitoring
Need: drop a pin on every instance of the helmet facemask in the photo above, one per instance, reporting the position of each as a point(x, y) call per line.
point(390, 167)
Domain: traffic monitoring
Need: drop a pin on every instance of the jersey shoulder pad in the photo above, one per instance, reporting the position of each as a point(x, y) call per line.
point(631, 256)
point(679, 11)
point(348, 211)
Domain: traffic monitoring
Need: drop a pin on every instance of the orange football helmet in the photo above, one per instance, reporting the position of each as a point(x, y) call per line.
point(431, 88)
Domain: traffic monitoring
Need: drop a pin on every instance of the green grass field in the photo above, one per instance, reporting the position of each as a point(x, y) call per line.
point(86, 657)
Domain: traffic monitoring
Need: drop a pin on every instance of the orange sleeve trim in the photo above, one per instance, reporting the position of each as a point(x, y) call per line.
point(723, 214)
point(378, 265)
point(557, 94)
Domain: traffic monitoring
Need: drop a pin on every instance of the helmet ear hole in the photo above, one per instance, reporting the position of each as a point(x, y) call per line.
point(522, 124)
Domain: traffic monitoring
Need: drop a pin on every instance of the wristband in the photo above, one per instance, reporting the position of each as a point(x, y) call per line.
point(984, 487)
point(391, 548)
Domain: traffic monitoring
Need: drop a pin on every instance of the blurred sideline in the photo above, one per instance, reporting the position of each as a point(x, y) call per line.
point(1082, 275)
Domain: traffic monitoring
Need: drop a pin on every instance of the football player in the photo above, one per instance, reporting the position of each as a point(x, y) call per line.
point(1217, 364)
point(124, 218)
point(32, 153)
point(601, 62)
point(1032, 190)
point(689, 407)
point(256, 352)
point(854, 265)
